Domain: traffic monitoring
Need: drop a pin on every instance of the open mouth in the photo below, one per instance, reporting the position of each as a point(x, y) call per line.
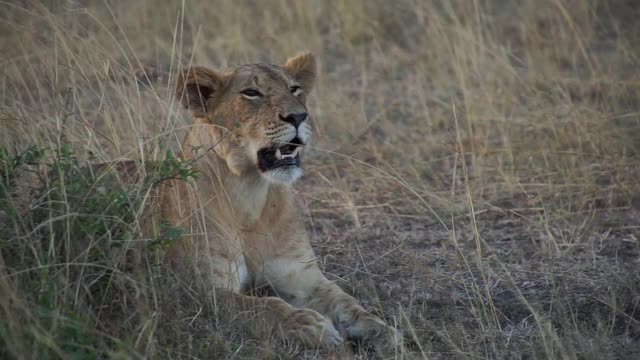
point(275, 157)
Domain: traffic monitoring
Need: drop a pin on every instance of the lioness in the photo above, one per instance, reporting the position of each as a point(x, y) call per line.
point(251, 127)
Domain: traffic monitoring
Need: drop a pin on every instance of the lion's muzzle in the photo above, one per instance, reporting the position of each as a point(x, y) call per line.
point(274, 157)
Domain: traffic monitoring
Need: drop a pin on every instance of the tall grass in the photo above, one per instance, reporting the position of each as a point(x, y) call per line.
point(473, 176)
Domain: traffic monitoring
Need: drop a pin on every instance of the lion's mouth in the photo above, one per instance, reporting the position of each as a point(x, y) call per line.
point(286, 155)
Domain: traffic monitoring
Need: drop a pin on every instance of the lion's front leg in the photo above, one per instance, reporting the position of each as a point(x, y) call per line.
point(264, 315)
point(302, 284)
point(272, 315)
point(351, 318)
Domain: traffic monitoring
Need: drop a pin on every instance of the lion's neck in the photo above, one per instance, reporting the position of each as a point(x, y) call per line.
point(241, 198)
point(247, 196)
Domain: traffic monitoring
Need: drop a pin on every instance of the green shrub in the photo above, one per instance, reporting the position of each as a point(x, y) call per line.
point(70, 248)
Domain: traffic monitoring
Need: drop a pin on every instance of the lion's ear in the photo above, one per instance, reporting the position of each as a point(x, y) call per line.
point(196, 86)
point(303, 68)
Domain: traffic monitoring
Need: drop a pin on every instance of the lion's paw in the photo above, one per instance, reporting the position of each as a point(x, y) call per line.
point(313, 329)
point(371, 329)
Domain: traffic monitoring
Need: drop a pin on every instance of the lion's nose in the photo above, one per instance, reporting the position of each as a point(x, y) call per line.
point(294, 119)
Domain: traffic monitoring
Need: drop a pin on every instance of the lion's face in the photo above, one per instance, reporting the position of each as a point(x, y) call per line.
point(259, 114)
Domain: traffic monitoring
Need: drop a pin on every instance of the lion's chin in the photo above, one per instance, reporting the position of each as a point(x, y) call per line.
point(283, 175)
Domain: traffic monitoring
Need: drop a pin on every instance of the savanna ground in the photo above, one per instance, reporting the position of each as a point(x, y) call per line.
point(474, 177)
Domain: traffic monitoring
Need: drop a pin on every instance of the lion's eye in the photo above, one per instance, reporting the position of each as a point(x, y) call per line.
point(296, 90)
point(251, 93)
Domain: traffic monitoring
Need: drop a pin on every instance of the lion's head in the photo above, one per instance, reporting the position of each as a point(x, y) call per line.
point(258, 112)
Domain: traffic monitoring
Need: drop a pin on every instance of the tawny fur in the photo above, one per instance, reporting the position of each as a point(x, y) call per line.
point(244, 229)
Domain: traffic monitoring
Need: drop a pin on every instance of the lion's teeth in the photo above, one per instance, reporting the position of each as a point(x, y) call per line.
point(278, 154)
point(296, 151)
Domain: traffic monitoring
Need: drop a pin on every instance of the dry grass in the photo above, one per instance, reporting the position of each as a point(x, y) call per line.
point(474, 178)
